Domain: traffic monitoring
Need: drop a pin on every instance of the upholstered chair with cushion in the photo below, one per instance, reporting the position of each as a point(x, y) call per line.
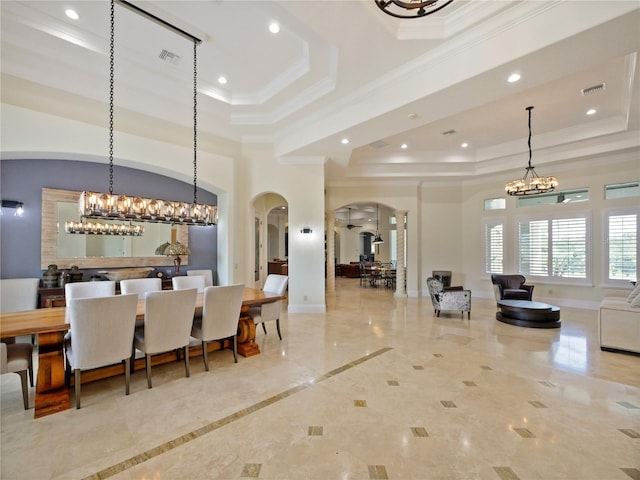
point(183, 283)
point(18, 358)
point(101, 334)
point(511, 287)
point(268, 312)
point(458, 300)
point(220, 317)
point(140, 286)
point(207, 274)
point(18, 295)
point(168, 318)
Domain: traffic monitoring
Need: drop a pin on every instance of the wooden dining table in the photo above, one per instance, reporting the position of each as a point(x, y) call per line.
point(52, 395)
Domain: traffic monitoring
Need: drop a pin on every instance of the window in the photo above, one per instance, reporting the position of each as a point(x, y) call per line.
point(622, 190)
point(567, 196)
point(495, 204)
point(556, 247)
point(621, 243)
point(493, 246)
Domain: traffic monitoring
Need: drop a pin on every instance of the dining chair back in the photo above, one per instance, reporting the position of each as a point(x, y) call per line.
point(268, 312)
point(207, 274)
point(168, 318)
point(220, 317)
point(18, 358)
point(89, 289)
point(101, 334)
point(194, 281)
point(18, 294)
point(140, 286)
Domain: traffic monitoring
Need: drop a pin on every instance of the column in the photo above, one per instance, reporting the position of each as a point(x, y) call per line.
point(330, 255)
point(401, 290)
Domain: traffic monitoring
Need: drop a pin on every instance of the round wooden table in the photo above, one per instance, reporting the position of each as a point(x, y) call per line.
point(525, 313)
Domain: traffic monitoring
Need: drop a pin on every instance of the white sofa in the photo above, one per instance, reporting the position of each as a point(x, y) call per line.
point(619, 325)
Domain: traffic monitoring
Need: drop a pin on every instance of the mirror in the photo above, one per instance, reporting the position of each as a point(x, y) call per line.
point(98, 251)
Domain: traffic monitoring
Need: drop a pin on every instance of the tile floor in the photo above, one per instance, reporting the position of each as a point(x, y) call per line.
point(376, 388)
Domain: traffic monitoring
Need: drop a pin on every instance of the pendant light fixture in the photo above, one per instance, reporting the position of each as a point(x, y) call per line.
point(377, 239)
point(531, 183)
point(411, 8)
point(126, 207)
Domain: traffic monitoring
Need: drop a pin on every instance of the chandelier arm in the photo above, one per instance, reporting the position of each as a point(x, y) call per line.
point(111, 77)
point(195, 124)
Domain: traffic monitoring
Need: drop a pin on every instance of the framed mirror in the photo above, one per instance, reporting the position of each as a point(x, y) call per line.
point(98, 251)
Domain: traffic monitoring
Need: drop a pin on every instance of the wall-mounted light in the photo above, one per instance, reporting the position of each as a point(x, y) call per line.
point(19, 206)
point(306, 230)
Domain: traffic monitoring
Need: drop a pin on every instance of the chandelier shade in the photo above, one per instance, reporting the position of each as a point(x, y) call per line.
point(531, 183)
point(411, 8)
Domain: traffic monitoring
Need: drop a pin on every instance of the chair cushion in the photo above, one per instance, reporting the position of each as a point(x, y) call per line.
point(516, 293)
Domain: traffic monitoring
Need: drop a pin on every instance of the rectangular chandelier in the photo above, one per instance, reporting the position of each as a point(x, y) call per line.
point(124, 207)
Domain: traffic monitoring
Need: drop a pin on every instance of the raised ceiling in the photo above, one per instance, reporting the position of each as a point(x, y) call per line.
point(344, 69)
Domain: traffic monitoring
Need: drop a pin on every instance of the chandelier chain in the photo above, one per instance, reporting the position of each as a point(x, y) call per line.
point(111, 75)
point(529, 142)
point(195, 124)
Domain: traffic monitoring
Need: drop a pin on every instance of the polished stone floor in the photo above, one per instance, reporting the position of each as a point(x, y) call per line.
point(376, 388)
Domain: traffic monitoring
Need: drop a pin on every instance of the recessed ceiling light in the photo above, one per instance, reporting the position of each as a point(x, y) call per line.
point(222, 80)
point(72, 14)
point(464, 145)
point(514, 77)
point(345, 141)
point(404, 146)
point(274, 27)
point(591, 111)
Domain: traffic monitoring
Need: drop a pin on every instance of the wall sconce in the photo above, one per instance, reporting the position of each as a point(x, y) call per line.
point(306, 230)
point(19, 206)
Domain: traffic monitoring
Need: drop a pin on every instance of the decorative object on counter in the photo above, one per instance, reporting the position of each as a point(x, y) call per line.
point(98, 228)
point(50, 277)
point(176, 249)
point(63, 278)
point(126, 273)
point(411, 8)
point(531, 183)
point(110, 205)
point(75, 274)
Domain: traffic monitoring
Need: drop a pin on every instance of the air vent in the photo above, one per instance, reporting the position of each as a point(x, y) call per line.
point(378, 144)
point(449, 132)
point(169, 57)
point(595, 89)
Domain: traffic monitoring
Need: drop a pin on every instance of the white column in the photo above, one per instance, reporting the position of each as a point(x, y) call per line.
point(331, 252)
point(401, 290)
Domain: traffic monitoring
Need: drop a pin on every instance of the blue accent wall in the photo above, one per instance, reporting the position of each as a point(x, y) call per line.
point(23, 180)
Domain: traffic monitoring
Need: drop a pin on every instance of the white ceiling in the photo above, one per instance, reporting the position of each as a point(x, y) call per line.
point(344, 69)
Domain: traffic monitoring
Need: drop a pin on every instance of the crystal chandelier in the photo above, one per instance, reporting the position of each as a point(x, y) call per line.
point(531, 183)
point(126, 207)
point(411, 8)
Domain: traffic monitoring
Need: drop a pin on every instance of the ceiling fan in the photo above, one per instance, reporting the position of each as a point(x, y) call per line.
point(350, 225)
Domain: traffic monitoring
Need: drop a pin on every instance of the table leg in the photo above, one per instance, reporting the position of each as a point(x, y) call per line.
point(51, 393)
point(247, 347)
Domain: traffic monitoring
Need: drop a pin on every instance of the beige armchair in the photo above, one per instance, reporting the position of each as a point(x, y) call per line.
point(101, 334)
point(268, 312)
point(220, 317)
point(168, 318)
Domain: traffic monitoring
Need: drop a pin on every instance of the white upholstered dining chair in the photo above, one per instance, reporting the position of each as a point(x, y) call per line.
point(101, 334)
point(17, 295)
point(168, 317)
point(220, 317)
point(207, 274)
point(18, 358)
point(194, 281)
point(140, 286)
point(268, 312)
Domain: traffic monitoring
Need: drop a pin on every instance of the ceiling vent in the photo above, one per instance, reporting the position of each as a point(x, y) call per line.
point(595, 89)
point(449, 132)
point(169, 57)
point(378, 144)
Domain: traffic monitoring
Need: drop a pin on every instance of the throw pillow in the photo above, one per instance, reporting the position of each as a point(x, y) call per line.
point(634, 294)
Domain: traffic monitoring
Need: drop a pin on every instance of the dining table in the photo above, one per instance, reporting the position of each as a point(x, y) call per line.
point(50, 326)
